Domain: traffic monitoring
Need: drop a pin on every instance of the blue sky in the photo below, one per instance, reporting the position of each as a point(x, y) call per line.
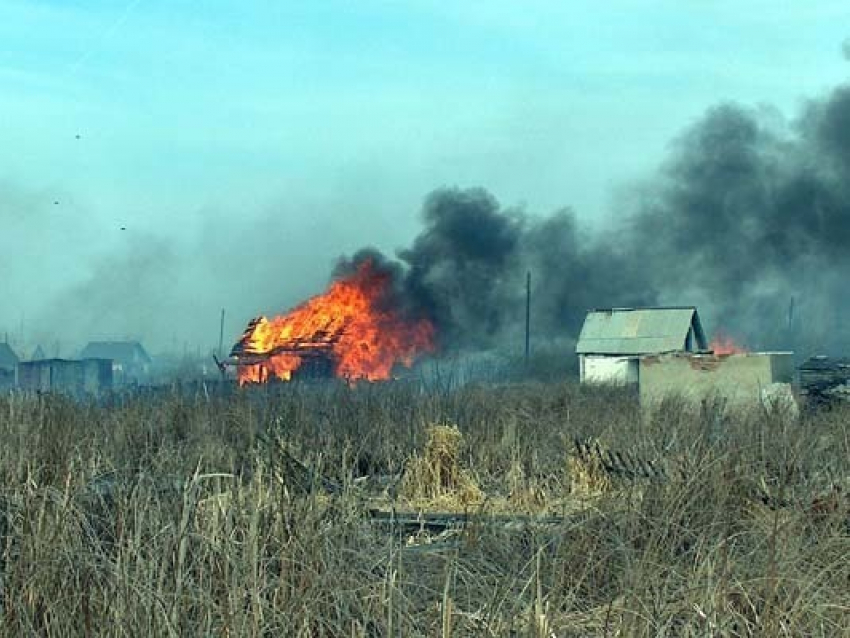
point(320, 126)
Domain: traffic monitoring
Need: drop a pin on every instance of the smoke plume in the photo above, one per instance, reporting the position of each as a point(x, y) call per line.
point(748, 218)
point(750, 212)
point(466, 270)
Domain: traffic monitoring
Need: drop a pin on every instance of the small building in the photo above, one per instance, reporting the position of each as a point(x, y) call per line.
point(8, 364)
point(130, 362)
point(8, 358)
point(74, 377)
point(612, 341)
point(741, 379)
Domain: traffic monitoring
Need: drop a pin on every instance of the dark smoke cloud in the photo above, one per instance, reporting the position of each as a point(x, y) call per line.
point(462, 269)
point(749, 212)
point(573, 272)
point(748, 216)
point(466, 271)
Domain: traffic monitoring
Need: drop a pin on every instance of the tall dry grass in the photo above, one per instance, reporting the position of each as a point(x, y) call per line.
point(178, 514)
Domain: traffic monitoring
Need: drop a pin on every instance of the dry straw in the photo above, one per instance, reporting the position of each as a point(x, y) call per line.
point(436, 478)
point(588, 476)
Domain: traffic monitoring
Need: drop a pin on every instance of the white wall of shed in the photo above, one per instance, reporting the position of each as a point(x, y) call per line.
point(608, 370)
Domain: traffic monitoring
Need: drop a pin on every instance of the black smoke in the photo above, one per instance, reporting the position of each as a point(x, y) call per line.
point(748, 217)
point(466, 271)
point(462, 268)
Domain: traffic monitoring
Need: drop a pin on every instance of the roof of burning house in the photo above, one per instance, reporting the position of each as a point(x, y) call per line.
point(128, 352)
point(8, 358)
point(636, 331)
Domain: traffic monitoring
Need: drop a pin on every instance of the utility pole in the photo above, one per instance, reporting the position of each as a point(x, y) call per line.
point(791, 314)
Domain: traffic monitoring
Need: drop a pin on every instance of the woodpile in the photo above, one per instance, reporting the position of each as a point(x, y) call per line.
point(825, 380)
point(618, 464)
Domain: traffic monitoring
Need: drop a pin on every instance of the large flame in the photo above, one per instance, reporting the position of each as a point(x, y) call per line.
point(724, 344)
point(350, 327)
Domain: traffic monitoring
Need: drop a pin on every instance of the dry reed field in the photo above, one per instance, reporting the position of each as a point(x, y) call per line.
point(292, 510)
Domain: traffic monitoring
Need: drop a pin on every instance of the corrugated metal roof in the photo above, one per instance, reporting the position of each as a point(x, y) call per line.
point(635, 331)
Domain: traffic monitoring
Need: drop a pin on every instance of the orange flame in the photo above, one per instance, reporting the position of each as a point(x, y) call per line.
point(724, 344)
point(349, 327)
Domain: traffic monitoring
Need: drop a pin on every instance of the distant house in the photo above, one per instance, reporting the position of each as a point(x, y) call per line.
point(612, 341)
point(38, 354)
point(130, 362)
point(8, 358)
point(74, 377)
point(8, 363)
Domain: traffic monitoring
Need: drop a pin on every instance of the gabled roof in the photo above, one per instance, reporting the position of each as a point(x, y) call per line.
point(8, 358)
point(38, 354)
point(120, 351)
point(636, 331)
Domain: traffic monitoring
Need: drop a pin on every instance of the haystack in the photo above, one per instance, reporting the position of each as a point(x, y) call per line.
point(436, 478)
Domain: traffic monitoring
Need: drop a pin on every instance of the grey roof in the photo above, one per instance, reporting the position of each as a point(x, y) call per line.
point(636, 331)
point(120, 351)
point(8, 358)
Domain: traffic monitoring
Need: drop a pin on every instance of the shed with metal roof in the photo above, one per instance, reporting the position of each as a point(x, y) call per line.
point(612, 340)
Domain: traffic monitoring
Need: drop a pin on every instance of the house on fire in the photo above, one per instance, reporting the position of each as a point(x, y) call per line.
point(612, 341)
point(130, 362)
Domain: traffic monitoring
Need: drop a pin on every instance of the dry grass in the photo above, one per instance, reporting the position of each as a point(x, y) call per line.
point(588, 477)
point(177, 515)
point(436, 479)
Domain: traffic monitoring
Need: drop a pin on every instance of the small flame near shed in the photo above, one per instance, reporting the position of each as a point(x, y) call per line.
point(723, 344)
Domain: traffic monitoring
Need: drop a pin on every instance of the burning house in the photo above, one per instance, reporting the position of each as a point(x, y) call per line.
point(354, 330)
point(312, 357)
point(612, 341)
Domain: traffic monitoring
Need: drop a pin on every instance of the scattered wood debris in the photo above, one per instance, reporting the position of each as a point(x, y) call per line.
point(594, 467)
point(825, 380)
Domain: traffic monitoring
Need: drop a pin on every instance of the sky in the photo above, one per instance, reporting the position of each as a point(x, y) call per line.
point(161, 160)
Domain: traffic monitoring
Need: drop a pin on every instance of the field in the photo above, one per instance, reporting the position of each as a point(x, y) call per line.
point(194, 513)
